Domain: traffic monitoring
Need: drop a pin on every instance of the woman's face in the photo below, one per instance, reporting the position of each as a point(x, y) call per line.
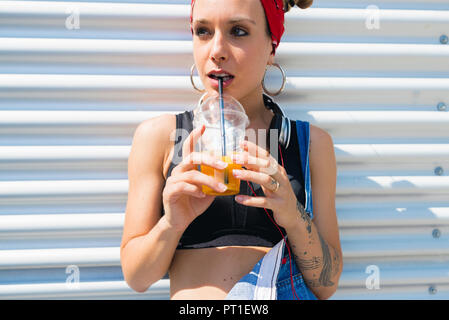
point(241, 47)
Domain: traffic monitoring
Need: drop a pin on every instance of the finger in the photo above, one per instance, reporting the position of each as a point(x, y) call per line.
point(189, 144)
point(259, 202)
point(259, 152)
point(257, 177)
point(272, 169)
point(254, 149)
point(183, 187)
point(249, 161)
point(194, 159)
point(198, 178)
point(268, 166)
point(206, 159)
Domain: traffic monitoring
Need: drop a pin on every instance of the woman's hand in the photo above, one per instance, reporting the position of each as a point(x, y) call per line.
point(183, 198)
point(261, 168)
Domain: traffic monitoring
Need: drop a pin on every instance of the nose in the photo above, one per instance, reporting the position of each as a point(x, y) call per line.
point(219, 48)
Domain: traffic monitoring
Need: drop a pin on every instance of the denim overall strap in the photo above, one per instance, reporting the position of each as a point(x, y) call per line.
point(289, 268)
point(303, 131)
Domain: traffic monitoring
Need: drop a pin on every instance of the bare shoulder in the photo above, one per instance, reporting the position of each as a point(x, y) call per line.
point(317, 133)
point(145, 175)
point(323, 170)
point(321, 142)
point(158, 127)
point(155, 132)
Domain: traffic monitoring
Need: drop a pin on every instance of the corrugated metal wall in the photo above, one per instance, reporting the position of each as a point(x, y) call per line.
point(76, 78)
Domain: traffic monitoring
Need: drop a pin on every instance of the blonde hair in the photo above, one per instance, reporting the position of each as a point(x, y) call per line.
point(303, 4)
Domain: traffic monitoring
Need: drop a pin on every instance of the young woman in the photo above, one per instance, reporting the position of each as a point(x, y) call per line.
point(208, 243)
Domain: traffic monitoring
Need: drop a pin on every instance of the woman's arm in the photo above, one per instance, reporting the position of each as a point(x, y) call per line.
point(148, 241)
point(146, 259)
point(316, 243)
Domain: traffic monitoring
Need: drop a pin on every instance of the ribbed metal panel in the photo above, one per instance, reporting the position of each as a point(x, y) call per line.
point(374, 74)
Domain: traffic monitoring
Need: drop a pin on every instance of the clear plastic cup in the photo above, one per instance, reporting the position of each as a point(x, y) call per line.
point(236, 121)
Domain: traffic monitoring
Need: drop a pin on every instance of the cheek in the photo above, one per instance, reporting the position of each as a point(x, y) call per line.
point(255, 68)
point(259, 58)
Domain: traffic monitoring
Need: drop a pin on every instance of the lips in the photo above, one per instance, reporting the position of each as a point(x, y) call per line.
point(215, 75)
point(226, 82)
point(224, 77)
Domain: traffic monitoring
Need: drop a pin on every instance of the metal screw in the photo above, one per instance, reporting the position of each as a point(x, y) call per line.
point(432, 290)
point(441, 106)
point(436, 233)
point(439, 171)
point(444, 39)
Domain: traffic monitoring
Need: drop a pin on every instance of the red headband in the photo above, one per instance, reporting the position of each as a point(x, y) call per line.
point(274, 11)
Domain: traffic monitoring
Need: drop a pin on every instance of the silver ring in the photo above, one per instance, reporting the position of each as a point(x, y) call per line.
point(274, 181)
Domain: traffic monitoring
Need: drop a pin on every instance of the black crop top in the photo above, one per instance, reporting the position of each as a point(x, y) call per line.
point(228, 223)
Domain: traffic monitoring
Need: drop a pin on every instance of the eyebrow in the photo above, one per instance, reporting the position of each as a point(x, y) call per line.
point(230, 21)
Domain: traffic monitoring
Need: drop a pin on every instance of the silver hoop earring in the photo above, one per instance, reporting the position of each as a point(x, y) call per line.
point(284, 80)
point(199, 103)
point(191, 79)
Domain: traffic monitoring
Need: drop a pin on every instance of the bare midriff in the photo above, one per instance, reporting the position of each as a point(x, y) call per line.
point(210, 273)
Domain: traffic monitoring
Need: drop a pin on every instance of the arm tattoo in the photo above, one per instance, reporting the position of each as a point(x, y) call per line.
point(304, 216)
point(308, 264)
point(328, 269)
point(325, 275)
point(336, 262)
point(330, 264)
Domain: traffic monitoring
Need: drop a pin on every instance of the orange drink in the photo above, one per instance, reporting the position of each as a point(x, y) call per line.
point(226, 121)
point(233, 183)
